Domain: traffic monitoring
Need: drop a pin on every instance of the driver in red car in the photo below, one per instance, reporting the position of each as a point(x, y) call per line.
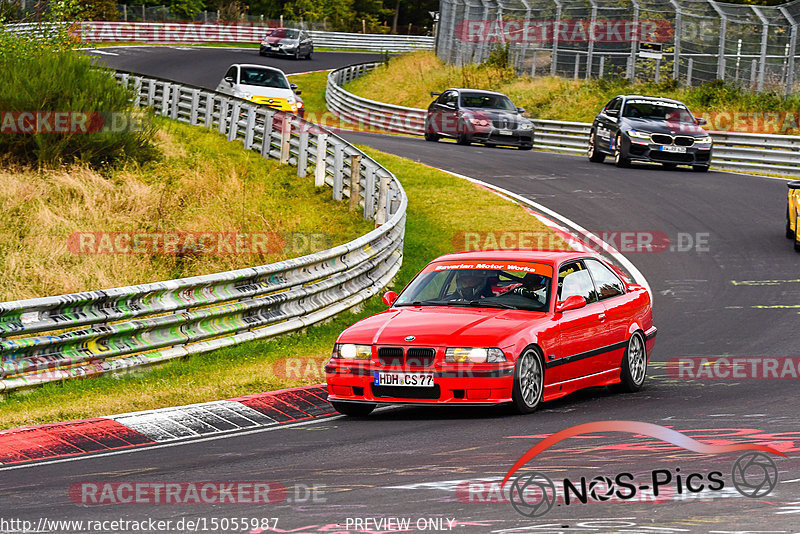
point(531, 283)
point(471, 284)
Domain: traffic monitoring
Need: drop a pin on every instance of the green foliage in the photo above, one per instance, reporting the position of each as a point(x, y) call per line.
point(72, 10)
point(45, 74)
point(499, 56)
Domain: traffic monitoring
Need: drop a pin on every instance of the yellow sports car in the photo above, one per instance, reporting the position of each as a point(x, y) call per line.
point(793, 213)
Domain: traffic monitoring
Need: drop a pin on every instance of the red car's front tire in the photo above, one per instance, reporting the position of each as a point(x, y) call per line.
point(353, 409)
point(528, 381)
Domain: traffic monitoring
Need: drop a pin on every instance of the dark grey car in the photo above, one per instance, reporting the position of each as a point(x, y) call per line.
point(655, 129)
point(471, 115)
point(287, 42)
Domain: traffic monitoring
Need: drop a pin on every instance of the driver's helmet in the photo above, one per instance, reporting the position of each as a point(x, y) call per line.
point(534, 281)
point(471, 283)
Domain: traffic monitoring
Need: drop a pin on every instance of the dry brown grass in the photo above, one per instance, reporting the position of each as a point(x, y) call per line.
point(202, 183)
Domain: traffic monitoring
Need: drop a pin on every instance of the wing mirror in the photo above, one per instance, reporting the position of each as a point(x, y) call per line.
point(520, 110)
point(451, 105)
point(612, 112)
point(229, 79)
point(701, 121)
point(389, 297)
point(294, 88)
point(574, 302)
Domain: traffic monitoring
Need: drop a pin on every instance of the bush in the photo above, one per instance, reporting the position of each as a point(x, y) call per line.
point(45, 75)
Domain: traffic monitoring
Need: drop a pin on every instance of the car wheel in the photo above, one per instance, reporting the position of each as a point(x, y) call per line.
point(490, 145)
point(297, 53)
point(310, 51)
point(432, 137)
point(700, 168)
point(528, 382)
point(525, 147)
point(463, 139)
point(353, 409)
point(620, 160)
point(595, 156)
point(670, 166)
point(634, 364)
point(789, 232)
point(261, 53)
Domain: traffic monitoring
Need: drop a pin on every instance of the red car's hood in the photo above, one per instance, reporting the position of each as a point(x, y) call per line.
point(455, 327)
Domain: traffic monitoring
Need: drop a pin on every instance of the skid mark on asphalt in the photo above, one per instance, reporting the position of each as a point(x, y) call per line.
point(763, 282)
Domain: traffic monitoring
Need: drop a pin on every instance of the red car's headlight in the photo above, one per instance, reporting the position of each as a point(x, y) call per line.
point(473, 355)
point(349, 351)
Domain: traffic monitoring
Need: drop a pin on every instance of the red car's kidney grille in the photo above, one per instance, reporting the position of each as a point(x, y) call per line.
point(391, 356)
point(419, 357)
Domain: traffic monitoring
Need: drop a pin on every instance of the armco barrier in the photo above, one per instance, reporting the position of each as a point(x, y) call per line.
point(232, 32)
point(739, 152)
point(91, 333)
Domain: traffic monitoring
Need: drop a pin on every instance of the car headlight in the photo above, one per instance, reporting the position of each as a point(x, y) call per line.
point(479, 122)
point(638, 134)
point(703, 141)
point(349, 351)
point(526, 126)
point(299, 104)
point(473, 355)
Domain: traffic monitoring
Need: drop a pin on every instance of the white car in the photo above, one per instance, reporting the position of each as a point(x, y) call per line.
point(262, 85)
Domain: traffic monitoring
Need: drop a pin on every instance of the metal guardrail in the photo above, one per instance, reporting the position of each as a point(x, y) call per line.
point(88, 334)
point(188, 32)
point(733, 151)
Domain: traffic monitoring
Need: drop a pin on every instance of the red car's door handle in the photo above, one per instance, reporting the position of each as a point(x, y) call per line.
point(602, 317)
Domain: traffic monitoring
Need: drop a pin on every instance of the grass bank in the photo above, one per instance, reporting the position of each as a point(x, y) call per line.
point(72, 229)
point(409, 79)
point(432, 228)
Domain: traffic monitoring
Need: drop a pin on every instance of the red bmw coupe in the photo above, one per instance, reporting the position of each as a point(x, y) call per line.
point(492, 327)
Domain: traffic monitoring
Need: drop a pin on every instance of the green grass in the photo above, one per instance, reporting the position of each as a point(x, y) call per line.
point(409, 79)
point(434, 219)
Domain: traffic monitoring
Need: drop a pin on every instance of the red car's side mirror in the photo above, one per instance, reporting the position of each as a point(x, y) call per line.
point(572, 303)
point(389, 297)
point(701, 121)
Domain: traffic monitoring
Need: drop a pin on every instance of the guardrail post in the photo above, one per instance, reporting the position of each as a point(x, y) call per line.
point(338, 163)
point(634, 43)
point(165, 99)
point(355, 181)
point(302, 154)
point(676, 61)
point(266, 138)
point(322, 151)
point(176, 100)
point(556, 33)
point(689, 69)
point(286, 135)
point(137, 87)
point(577, 65)
point(383, 197)
point(195, 107)
point(223, 115)
point(233, 126)
point(602, 66)
point(369, 192)
point(209, 110)
point(251, 124)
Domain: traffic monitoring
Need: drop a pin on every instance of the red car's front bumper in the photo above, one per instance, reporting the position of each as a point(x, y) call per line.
point(453, 384)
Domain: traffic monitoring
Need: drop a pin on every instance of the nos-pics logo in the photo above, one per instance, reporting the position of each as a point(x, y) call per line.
point(533, 494)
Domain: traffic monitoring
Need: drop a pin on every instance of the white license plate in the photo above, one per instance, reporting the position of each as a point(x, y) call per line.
point(505, 132)
point(415, 380)
point(676, 149)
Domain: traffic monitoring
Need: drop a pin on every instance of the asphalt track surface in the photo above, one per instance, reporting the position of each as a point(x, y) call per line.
point(411, 462)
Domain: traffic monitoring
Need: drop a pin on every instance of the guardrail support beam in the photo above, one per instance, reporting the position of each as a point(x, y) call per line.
point(355, 181)
point(320, 164)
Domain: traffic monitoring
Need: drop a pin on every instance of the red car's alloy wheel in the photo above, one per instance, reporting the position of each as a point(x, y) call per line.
point(634, 364)
point(528, 381)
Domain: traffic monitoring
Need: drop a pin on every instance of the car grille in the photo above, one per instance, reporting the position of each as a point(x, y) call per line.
point(505, 124)
point(678, 140)
point(416, 357)
point(661, 139)
point(413, 357)
point(400, 392)
point(391, 356)
point(657, 155)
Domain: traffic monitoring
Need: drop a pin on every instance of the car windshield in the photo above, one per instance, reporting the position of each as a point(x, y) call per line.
point(285, 33)
point(263, 78)
point(485, 101)
point(663, 111)
point(489, 284)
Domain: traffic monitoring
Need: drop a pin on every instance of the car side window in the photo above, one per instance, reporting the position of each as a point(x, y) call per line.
point(606, 282)
point(231, 73)
point(615, 104)
point(574, 279)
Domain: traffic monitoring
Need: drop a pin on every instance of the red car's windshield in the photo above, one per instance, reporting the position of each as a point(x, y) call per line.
point(501, 284)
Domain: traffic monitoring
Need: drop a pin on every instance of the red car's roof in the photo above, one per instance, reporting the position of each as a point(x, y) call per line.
point(550, 257)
